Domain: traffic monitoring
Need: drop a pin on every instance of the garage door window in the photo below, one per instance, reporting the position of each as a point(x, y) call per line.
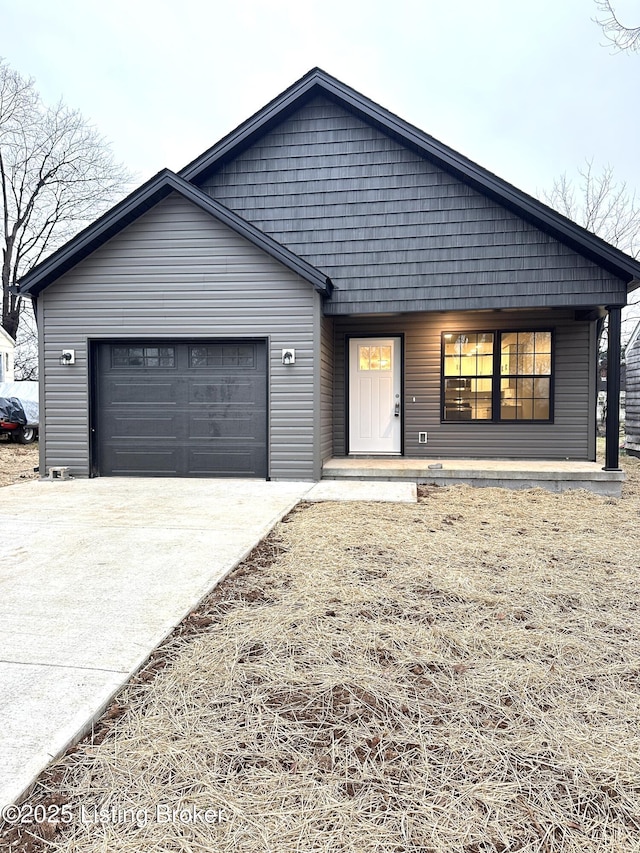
point(143, 357)
point(222, 355)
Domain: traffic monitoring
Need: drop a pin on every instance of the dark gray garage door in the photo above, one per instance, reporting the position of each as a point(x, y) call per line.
point(176, 409)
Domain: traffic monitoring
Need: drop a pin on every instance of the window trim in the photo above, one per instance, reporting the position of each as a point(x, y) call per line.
point(496, 376)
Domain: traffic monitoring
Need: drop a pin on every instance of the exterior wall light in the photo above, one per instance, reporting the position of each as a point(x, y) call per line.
point(68, 356)
point(288, 356)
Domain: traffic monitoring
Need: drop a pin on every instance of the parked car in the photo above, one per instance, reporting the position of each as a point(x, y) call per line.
point(19, 415)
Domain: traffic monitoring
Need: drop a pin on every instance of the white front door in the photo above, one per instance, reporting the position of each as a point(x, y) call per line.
point(375, 416)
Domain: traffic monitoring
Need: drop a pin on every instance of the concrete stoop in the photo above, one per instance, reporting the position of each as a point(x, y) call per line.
point(555, 476)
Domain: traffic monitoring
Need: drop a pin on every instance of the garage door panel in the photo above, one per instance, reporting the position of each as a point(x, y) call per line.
point(142, 393)
point(208, 417)
point(231, 426)
point(143, 463)
point(139, 426)
point(236, 463)
point(225, 390)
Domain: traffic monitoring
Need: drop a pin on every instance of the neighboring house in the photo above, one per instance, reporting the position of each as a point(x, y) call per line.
point(632, 414)
point(602, 391)
point(7, 348)
point(326, 280)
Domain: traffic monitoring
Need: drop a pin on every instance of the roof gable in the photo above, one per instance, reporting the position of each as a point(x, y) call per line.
point(318, 83)
point(138, 203)
point(394, 230)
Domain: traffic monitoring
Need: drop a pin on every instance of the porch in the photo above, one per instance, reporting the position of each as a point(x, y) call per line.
point(553, 475)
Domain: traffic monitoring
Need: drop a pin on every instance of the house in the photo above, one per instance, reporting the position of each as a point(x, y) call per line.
point(7, 348)
point(602, 390)
point(327, 280)
point(632, 402)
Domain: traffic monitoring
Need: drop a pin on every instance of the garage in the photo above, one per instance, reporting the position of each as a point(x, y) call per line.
point(167, 408)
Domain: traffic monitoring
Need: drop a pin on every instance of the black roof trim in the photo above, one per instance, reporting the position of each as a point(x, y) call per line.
point(318, 81)
point(139, 202)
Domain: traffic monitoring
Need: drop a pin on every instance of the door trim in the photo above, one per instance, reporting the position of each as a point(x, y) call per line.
point(399, 337)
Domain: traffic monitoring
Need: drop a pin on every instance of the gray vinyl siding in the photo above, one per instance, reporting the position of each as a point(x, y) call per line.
point(326, 388)
point(176, 272)
point(574, 423)
point(394, 231)
point(632, 398)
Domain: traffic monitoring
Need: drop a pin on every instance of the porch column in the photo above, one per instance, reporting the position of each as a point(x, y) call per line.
point(612, 434)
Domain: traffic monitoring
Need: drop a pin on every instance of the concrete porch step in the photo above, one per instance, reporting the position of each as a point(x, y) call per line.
point(553, 475)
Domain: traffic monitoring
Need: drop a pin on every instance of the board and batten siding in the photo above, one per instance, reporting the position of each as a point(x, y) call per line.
point(394, 231)
point(632, 397)
point(570, 436)
point(177, 272)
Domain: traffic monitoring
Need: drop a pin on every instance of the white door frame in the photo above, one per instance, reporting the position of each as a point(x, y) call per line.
point(375, 398)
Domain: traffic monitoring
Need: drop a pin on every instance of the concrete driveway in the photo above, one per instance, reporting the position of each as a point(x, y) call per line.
point(95, 573)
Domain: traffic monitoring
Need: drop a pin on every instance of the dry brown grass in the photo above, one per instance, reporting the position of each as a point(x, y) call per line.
point(457, 675)
point(17, 462)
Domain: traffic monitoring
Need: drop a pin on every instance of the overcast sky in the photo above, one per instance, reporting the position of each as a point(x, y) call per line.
point(526, 89)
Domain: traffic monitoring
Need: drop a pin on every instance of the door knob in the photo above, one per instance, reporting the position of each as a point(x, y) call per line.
point(397, 410)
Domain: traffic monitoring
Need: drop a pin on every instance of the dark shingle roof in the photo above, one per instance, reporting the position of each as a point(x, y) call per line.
point(313, 83)
point(317, 82)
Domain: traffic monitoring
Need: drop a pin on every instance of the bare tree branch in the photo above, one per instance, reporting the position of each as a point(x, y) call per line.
point(57, 174)
point(622, 38)
point(607, 207)
point(601, 203)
